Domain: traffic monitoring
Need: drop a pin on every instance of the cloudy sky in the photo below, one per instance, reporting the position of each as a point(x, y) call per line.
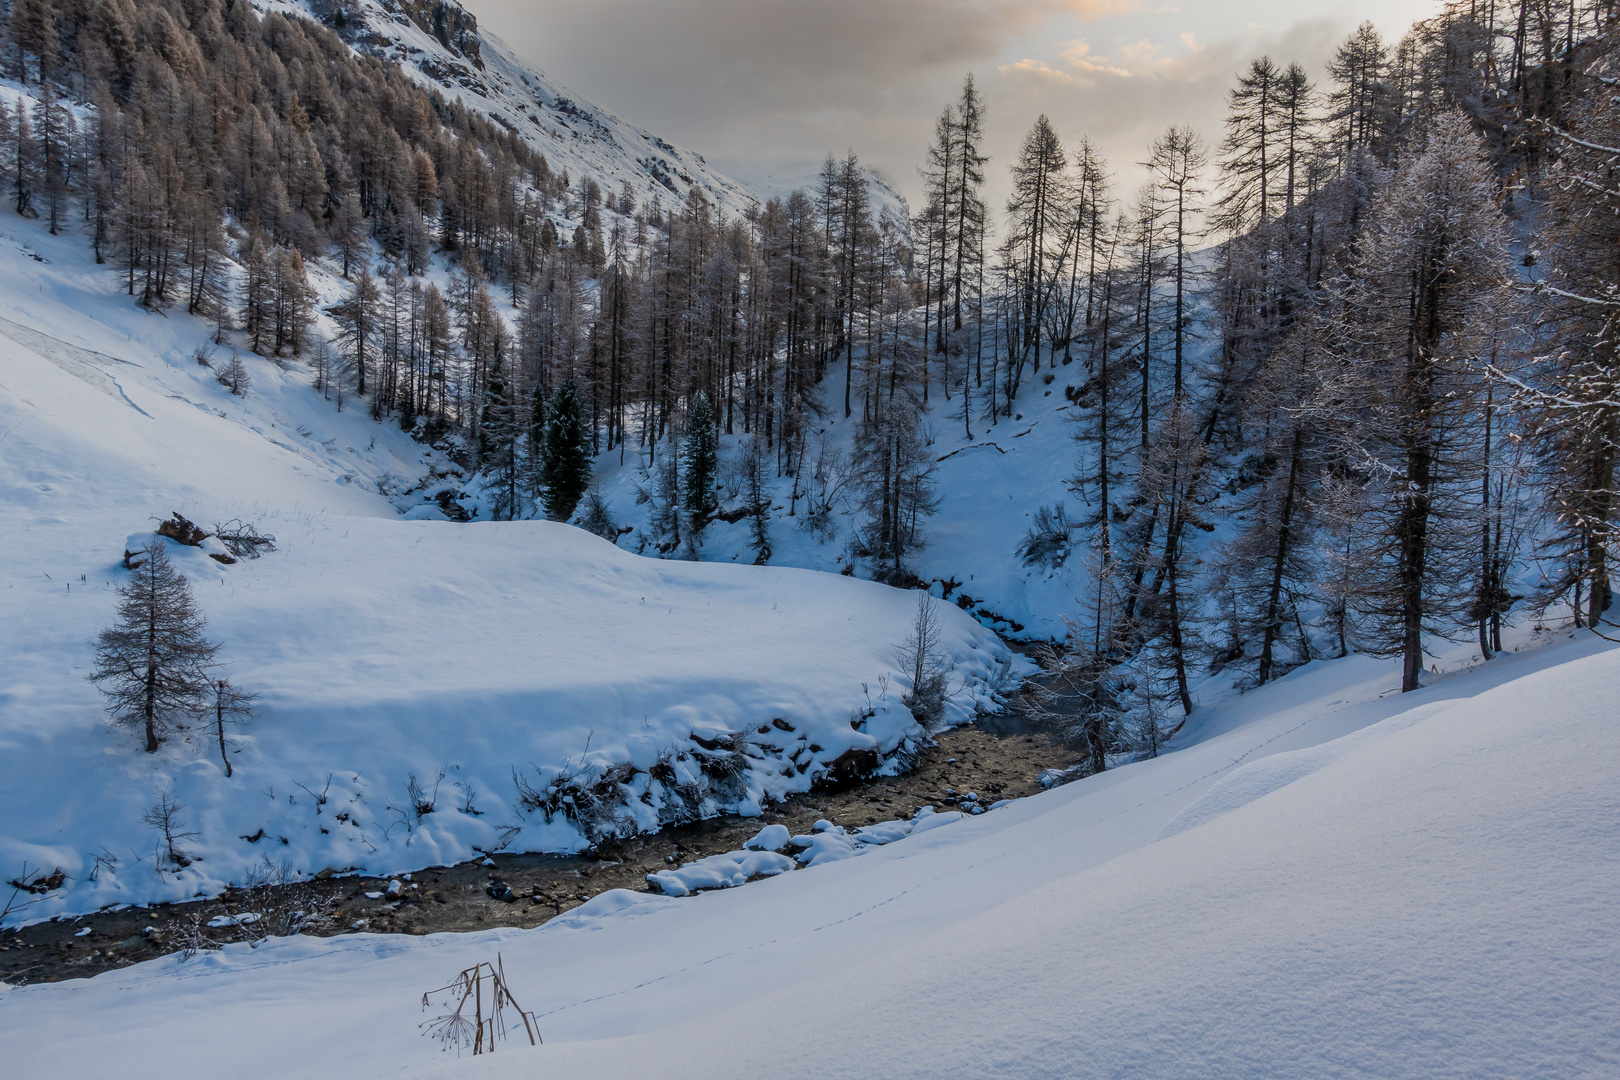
point(766, 88)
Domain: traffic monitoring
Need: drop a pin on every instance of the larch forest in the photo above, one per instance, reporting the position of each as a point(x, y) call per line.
point(1337, 380)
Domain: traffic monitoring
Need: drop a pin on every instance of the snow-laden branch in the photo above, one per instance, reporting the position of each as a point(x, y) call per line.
point(1549, 397)
point(1599, 147)
point(1593, 185)
point(1542, 287)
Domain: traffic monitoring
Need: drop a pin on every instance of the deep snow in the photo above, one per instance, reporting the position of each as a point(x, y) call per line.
point(1430, 895)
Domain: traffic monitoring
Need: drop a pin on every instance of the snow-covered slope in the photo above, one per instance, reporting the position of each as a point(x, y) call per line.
point(382, 649)
point(1329, 880)
point(441, 43)
point(990, 487)
point(777, 179)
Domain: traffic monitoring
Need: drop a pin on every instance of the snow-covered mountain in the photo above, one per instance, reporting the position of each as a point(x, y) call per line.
point(777, 179)
point(441, 43)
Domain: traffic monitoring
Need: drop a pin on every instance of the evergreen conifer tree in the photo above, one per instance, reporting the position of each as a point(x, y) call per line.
point(757, 501)
point(699, 457)
point(497, 445)
point(565, 456)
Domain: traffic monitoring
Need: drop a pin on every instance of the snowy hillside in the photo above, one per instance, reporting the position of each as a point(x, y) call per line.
point(385, 651)
point(1330, 879)
point(441, 44)
point(990, 486)
point(779, 179)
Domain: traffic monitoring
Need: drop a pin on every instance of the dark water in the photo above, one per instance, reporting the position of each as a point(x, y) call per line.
point(1007, 724)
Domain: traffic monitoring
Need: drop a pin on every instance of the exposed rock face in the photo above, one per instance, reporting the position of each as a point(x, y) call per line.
point(443, 42)
point(454, 26)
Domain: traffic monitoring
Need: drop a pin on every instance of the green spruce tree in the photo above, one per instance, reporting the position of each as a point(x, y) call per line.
point(565, 455)
point(700, 452)
point(757, 500)
point(497, 445)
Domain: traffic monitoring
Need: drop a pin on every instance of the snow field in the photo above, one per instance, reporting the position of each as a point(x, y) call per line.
point(1434, 898)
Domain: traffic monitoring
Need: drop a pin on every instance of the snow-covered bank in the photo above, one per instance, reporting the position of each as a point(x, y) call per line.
point(382, 649)
point(1432, 896)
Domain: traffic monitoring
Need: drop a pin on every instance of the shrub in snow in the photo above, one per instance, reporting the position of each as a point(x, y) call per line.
point(921, 659)
point(164, 815)
point(595, 519)
point(243, 539)
point(234, 377)
point(475, 1004)
point(682, 785)
point(1049, 538)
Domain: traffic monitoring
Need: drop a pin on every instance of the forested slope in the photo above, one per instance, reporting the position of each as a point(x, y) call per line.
point(1337, 379)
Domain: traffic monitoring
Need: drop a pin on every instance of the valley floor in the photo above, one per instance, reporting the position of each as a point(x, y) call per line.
point(1326, 879)
point(966, 766)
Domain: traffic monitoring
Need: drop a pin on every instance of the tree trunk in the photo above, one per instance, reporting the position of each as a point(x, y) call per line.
point(219, 727)
point(1274, 596)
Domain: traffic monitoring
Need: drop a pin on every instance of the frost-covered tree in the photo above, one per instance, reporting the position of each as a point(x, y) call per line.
point(24, 163)
point(55, 135)
point(1248, 154)
point(923, 663)
point(1085, 700)
point(894, 478)
point(1362, 108)
point(1037, 211)
point(153, 662)
point(1406, 386)
point(954, 176)
point(1573, 390)
point(663, 500)
point(1177, 159)
point(1270, 566)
